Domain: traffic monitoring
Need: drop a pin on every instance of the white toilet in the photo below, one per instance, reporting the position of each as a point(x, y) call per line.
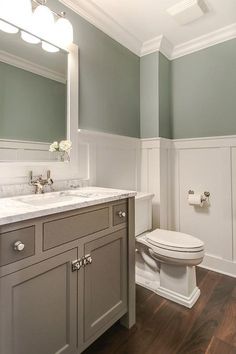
point(165, 260)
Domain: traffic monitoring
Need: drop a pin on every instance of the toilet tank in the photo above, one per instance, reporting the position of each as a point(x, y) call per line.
point(143, 212)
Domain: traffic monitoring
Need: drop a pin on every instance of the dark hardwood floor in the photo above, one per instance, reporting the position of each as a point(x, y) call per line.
point(164, 327)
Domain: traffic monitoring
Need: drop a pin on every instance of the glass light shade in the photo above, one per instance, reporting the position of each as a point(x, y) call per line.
point(49, 48)
point(63, 32)
point(22, 13)
point(29, 38)
point(17, 12)
point(5, 14)
point(43, 22)
point(5, 27)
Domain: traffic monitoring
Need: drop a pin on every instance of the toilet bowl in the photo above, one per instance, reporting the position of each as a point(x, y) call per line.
point(165, 260)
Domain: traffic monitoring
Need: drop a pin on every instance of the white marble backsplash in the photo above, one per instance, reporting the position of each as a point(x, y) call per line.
point(13, 190)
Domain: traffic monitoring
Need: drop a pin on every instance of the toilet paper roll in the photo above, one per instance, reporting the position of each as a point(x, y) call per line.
point(195, 199)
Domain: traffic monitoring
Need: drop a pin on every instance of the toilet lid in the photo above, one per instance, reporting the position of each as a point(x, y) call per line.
point(175, 241)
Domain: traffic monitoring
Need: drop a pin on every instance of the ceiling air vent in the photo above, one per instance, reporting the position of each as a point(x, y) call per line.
point(188, 11)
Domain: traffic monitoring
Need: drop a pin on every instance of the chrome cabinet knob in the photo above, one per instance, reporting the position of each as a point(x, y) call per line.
point(122, 214)
point(18, 246)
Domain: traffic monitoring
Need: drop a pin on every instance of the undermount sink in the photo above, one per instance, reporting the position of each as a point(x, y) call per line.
point(47, 199)
point(75, 195)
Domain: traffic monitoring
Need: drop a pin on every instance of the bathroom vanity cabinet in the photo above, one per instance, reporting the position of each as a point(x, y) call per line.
point(66, 278)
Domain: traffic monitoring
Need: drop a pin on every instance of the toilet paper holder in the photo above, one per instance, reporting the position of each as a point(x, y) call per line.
point(206, 195)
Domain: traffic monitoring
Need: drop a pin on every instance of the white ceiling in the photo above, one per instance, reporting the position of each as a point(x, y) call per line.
point(146, 20)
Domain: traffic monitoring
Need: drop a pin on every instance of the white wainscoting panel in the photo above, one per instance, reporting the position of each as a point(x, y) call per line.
point(109, 160)
point(233, 159)
point(207, 170)
point(207, 164)
point(170, 168)
point(155, 168)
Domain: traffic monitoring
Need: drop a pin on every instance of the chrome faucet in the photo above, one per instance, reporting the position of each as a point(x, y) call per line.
point(39, 182)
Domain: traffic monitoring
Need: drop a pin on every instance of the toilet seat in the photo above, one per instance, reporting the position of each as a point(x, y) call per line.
point(189, 258)
point(185, 256)
point(174, 241)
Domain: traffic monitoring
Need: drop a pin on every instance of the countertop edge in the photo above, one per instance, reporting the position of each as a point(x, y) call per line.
point(34, 214)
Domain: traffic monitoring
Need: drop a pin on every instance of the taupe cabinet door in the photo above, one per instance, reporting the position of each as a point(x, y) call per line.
point(105, 293)
point(38, 306)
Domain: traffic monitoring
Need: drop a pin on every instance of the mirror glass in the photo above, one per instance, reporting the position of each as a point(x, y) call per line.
point(33, 99)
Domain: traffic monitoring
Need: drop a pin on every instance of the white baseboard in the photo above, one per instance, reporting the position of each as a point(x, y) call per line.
point(219, 265)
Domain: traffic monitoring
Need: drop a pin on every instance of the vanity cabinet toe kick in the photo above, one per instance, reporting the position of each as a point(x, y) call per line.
point(66, 278)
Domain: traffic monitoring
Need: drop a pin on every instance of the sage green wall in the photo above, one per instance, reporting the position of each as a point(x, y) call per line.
point(204, 92)
point(149, 106)
point(155, 96)
point(109, 80)
point(165, 123)
point(22, 114)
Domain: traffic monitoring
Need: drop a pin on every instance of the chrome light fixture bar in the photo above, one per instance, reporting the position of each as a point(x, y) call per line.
point(30, 34)
point(36, 3)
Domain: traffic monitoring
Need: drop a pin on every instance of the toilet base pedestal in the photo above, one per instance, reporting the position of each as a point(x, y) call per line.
point(178, 283)
point(178, 298)
point(175, 283)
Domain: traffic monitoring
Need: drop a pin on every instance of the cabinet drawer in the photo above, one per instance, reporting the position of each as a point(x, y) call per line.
point(7, 241)
point(58, 232)
point(120, 214)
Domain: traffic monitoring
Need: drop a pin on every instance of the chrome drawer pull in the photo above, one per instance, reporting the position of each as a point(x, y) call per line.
point(18, 246)
point(122, 214)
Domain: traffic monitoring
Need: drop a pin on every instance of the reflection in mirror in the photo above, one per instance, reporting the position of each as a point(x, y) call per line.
point(33, 94)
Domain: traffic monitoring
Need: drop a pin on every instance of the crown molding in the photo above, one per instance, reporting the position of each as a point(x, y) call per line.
point(157, 44)
point(151, 46)
point(221, 35)
point(166, 47)
point(100, 19)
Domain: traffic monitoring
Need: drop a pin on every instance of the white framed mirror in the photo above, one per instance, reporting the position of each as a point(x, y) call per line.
point(24, 112)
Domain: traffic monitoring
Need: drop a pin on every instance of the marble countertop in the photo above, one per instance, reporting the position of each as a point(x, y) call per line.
point(22, 208)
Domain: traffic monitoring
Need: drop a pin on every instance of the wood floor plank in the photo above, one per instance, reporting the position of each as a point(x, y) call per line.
point(200, 274)
point(159, 320)
point(234, 292)
point(164, 327)
point(142, 295)
point(184, 320)
point(217, 346)
point(200, 335)
point(226, 330)
point(118, 335)
point(141, 340)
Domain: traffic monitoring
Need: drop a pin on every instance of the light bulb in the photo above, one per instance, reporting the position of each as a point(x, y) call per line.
point(29, 38)
point(22, 13)
point(49, 48)
point(43, 22)
point(63, 32)
point(5, 14)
